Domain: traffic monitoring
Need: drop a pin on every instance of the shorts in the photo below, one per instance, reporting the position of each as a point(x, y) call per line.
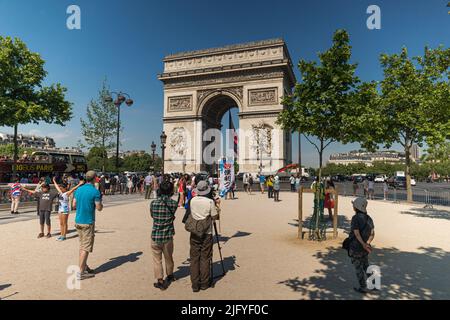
point(64, 212)
point(86, 233)
point(44, 217)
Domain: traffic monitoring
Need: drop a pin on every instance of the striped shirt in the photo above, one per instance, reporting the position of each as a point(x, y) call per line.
point(163, 214)
point(15, 190)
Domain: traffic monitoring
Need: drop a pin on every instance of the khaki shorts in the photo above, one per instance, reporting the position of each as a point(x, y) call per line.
point(86, 233)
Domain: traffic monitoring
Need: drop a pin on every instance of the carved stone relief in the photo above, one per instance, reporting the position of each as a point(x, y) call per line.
point(259, 97)
point(182, 103)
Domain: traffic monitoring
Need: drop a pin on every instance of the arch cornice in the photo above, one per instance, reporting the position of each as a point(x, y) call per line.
point(206, 96)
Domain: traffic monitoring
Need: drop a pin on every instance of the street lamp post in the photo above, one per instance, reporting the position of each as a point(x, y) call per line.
point(153, 146)
point(163, 147)
point(121, 97)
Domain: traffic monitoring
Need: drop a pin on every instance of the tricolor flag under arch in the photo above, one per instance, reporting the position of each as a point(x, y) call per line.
point(233, 136)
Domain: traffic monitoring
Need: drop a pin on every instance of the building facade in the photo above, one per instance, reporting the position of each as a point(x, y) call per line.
point(28, 141)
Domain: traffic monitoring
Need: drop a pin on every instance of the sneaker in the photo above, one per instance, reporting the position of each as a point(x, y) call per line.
point(160, 285)
point(204, 287)
point(84, 275)
point(195, 289)
point(40, 235)
point(48, 235)
point(89, 270)
point(60, 238)
point(170, 278)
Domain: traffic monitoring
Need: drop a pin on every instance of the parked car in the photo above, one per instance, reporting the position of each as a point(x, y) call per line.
point(397, 182)
point(380, 179)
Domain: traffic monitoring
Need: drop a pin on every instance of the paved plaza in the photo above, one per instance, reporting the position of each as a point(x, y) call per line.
point(262, 255)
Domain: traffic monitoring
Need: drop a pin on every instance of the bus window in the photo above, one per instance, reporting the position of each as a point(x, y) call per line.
point(58, 157)
point(78, 159)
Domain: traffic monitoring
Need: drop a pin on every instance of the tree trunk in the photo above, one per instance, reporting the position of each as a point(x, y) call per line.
point(16, 152)
point(409, 195)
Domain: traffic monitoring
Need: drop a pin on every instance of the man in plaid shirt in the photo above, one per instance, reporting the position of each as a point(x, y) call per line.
point(163, 213)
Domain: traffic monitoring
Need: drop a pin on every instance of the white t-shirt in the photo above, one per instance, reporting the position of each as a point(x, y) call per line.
point(202, 207)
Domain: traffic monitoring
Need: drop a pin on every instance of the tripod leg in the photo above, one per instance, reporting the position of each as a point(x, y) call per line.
point(220, 251)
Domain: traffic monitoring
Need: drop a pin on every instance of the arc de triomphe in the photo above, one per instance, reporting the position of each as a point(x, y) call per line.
point(201, 86)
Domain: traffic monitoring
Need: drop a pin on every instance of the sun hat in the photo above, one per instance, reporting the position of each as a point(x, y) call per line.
point(360, 204)
point(202, 189)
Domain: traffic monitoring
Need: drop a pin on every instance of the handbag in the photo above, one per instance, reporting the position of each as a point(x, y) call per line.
point(198, 227)
point(347, 241)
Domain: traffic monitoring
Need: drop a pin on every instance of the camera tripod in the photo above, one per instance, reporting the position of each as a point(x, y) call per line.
point(212, 277)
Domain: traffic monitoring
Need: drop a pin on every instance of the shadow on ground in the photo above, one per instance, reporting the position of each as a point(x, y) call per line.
point(225, 239)
point(405, 275)
point(343, 223)
point(229, 264)
point(4, 286)
point(118, 261)
point(428, 213)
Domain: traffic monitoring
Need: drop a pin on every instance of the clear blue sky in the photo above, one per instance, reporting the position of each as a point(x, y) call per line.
point(125, 41)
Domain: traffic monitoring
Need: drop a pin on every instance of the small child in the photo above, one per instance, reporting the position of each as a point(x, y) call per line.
point(63, 208)
point(45, 198)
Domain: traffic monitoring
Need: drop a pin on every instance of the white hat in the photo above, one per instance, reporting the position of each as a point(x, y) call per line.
point(360, 204)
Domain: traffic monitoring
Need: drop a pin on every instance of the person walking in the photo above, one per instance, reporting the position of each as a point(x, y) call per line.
point(130, 185)
point(63, 208)
point(163, 213)
point(87, 200)
point(276, 189)
point(15, 192)
point(262, 182)
point(123, 184)
point(385, 189)
point(202, 207)
point(366, 187)
point(361, 236)
point(155, 187)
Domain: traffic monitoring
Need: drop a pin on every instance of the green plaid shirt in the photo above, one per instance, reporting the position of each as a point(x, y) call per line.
point(163, 214)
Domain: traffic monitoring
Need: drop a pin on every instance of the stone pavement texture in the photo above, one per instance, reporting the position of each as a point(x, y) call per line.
point(262, 255)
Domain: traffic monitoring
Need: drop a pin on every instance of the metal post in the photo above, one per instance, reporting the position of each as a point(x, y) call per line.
point(118, 138)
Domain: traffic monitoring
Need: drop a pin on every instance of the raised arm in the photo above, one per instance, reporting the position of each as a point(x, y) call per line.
point(75, 188)
point(56, 185)
point(29, 191)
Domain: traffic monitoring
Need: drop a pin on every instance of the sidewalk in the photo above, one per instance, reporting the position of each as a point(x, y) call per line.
point(262, 255)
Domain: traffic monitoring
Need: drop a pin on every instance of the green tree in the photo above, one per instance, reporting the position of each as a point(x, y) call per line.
point(100, 127)
point(23, 97)
point(414, 101)
point(8, 150)
point(96, 158)
point(322, 100)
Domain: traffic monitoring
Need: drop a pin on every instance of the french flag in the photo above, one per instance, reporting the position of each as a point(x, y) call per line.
point(233, 135)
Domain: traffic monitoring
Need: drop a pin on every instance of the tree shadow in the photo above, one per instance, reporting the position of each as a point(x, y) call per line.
point(428, 213)
point(404, 275)
point(343, 223)
point(118, 261)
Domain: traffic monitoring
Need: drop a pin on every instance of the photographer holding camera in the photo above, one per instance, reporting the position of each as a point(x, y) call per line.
point(204, 208)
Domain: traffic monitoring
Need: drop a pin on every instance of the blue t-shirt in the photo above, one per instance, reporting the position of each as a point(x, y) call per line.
point(86, 197)
point(262, 179)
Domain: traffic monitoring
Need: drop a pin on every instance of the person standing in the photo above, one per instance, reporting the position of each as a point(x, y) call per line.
point(46, 198)
point(298, 181)
point(245, 182)
point(148, 186)
point(15, 196)
point(371, 189)
point(270, 187)
point(155, 187)
point(292, 183)
point(366, 187)
point(262, 182)
point(202, 207)
point(329, 198)
point(64, 208)
point(362, 234)
point(276, 189)
point(385, 189)
point(250, 183)
point(87, 199)
point(163, 213)
point(355, 186)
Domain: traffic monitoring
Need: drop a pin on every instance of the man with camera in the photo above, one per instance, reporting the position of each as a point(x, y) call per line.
point(204, 209)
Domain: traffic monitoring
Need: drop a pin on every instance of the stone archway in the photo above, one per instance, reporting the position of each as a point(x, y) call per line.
point(201, 86)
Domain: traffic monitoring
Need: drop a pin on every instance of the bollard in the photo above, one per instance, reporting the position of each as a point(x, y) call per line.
point(428, 204)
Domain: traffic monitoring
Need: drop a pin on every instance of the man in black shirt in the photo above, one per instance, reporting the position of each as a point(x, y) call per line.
point(361, 235)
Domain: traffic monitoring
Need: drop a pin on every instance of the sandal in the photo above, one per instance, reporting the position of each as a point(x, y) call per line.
point(40, 235)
